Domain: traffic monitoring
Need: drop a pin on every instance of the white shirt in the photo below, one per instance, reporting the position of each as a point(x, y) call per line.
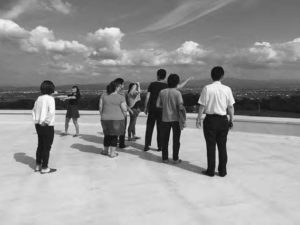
point(216, 98)
point(44, 110)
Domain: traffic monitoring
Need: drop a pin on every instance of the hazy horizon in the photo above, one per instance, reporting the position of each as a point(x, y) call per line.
point(73, 41)
point(233, 82)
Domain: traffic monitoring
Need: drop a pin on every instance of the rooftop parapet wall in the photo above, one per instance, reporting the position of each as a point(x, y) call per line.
point(252, 124)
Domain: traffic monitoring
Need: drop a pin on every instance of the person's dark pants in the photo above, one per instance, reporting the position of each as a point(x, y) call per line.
point(153, 117)
point(165, 135)
point(122, 137)
point(110, 140)
point(45, 140)
point(215, 129)
point(132, 122)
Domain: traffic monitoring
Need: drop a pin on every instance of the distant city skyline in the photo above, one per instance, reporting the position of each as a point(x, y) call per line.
point(94, 41)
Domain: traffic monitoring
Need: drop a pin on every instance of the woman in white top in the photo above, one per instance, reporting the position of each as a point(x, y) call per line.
point(44, 117)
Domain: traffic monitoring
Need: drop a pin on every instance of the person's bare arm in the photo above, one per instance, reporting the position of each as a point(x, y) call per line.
point(124, 108)
point(129, 109)
point(100, 105)
point(184, 82)
point(200, 113)
point(158, 102)
point(138, 86)
point(146, 103)
point(230, 111)
point(180, 103)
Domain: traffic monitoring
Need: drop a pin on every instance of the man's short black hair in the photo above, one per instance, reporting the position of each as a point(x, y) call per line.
point(47, 87)
point(161, 74)
point(119, 81)
point(217, 73)
point(173, 80)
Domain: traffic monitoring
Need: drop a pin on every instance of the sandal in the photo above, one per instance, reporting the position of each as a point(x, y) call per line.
point(114, 155)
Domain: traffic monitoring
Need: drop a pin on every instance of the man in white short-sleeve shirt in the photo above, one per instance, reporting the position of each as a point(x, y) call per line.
point(216, 101)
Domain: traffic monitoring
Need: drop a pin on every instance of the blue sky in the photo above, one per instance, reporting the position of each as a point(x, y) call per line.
point(94, 41)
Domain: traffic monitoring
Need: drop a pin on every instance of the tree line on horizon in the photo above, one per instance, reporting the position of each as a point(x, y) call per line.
point(289, 104)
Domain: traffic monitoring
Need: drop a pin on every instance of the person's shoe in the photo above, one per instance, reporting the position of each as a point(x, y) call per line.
point(103, 152)
point(38, 168)
point(206, 173)
point(165, 161)
point(47, 170)
point(64, 134)
point(159, 149)
point(136, 138)
point(222, 174)
point(177, 161)
point(113, 155)
point(146, 148)
point(131, 139)
point(76, 135)
point(123, 146)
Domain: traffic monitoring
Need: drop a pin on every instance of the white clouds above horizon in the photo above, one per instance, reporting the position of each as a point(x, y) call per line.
point(106, 43)
point(28, 6)
point(38, 40)
point(268, 55)
point(103, 48)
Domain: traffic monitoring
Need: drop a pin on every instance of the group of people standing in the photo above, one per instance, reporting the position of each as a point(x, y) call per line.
point(163, 106)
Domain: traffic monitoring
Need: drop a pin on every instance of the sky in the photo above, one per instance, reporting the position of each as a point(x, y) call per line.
point(95, 41)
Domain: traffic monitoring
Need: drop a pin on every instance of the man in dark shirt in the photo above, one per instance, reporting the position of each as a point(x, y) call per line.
point(154, 113)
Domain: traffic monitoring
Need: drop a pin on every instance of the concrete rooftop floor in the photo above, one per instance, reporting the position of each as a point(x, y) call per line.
point(262, 186)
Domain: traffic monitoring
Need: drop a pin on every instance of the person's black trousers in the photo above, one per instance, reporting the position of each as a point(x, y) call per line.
point(122, 137)
point(45, 141)
point(215, 129)
point(153, 117)
point(165, 135)
point(110, 140)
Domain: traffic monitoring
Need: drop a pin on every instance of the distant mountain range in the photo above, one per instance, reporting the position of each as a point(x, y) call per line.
point(194, 84)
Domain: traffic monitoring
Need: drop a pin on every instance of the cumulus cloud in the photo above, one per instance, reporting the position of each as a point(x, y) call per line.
point(265, 54)
point(106, 43)
point(61, 64)
point(43, 39)
point(28, 6)
point(11, 31)
point(106, 50)
point(40, 39)
point(65, 67)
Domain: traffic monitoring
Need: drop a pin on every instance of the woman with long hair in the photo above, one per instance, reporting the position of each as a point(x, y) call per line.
point(73, 110)
point(133, 99)
point(113, 110)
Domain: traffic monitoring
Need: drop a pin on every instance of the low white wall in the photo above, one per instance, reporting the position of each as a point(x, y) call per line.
point(263, 125)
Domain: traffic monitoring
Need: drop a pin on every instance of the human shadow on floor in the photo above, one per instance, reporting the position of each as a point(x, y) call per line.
point(136, 149)
point(186, 165)
point(21, 157)
point(92, 138)
point(89, 148)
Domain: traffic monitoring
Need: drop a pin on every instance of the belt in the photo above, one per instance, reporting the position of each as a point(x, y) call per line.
point(216, 115)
